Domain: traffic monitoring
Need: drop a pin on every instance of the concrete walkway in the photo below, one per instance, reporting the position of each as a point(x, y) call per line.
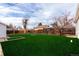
point(71, 36)
point(1, 52)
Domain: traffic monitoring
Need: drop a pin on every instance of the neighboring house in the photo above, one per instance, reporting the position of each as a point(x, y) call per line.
point(40, 29)
point(3, 31)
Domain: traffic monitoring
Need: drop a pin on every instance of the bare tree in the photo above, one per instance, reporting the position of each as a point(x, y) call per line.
point(24, 21)
point(40, 24)
point(19, 27)
point(56, 28)
point(11, 27)
point(62, 21)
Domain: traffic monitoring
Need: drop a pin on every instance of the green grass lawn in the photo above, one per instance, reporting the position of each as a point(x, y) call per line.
point(40, 45)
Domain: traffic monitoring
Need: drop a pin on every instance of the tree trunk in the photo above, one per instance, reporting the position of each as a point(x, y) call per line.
point(24, 30)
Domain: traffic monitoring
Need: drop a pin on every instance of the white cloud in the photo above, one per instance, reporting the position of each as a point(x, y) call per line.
point(13, 20)
point(6, 10)
point(44, 14)
point(34, 20)
point(18, 21)
point(47, 13)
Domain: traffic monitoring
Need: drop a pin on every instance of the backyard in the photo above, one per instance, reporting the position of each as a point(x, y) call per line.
point(40, 45)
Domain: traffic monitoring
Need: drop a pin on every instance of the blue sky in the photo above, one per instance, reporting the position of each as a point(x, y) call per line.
point(35, 12)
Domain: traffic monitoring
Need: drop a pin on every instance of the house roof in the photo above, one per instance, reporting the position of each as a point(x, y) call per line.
point(43, 26)
point(3, 24)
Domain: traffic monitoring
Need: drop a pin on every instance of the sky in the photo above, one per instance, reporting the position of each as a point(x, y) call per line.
point(36, 12)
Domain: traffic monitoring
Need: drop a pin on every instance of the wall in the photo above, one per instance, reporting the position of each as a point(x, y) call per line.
point(77, 29)
point(2, 31)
